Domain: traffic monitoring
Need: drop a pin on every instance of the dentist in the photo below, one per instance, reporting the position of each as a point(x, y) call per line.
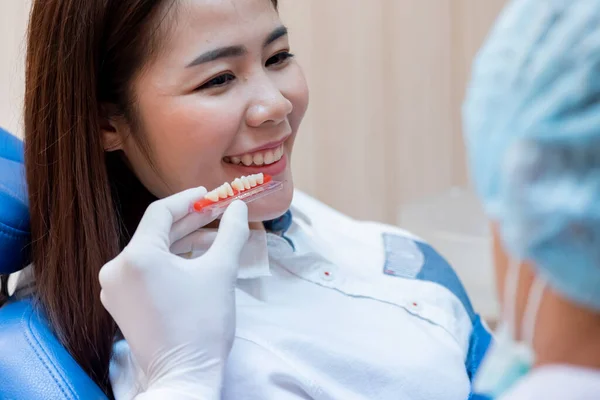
point(532, 119)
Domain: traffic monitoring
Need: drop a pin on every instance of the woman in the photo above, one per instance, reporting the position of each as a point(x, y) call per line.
point(130, 101)
point(533, 122)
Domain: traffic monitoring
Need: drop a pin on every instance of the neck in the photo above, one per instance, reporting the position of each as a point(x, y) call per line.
point(566, 333)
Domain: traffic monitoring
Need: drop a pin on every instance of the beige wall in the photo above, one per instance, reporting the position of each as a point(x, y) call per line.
point(386, 78)
point(13, 17)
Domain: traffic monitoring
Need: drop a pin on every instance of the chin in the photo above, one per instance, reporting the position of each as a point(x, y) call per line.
point(272, 206)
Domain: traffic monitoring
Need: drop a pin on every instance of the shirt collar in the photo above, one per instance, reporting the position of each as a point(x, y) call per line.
point(279, 226)
point(254, 259)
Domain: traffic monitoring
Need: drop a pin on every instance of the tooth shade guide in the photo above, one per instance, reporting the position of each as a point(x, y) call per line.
point(206, 202)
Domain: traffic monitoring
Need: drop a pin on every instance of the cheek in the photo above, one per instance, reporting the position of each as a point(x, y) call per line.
point(295, 89)
point(188, 140)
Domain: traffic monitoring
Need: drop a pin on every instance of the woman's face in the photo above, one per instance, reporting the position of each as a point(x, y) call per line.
point(222, 99)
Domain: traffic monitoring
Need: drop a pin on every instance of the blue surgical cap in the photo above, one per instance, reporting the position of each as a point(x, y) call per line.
point(532, 126)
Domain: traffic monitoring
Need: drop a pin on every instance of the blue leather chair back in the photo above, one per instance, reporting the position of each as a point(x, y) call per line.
point(33, 364)
point(14, 214)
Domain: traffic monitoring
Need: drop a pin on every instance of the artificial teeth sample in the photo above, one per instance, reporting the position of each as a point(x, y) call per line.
point(212, 196)
point(238, 185)
point(229, 189)
point(252, 180)
point(222, 190)
point(246, 182)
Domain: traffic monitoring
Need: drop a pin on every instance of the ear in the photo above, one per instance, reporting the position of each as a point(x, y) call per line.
point(114, 128)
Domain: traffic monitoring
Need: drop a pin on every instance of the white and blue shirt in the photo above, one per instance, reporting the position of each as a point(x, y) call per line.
point(333, 308)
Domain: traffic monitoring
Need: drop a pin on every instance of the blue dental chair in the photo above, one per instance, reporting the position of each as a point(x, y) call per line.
point(33, 364)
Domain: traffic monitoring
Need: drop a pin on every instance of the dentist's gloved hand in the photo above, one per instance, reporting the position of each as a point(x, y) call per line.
point(177, 314)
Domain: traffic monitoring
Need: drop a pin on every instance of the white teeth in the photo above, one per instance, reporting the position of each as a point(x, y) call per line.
point(246, 182)
point(222, 191)
point(212, 196)
point(247, 160)
point(229, 189)
point(238, 185)
point(252, 179)
point(269, 159)
point(262, 158)
point(258, 159)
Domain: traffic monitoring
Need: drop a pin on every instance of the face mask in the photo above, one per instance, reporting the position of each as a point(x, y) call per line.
point(509, 360)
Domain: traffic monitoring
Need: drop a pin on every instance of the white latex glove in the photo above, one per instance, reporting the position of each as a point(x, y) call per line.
point(177, 314)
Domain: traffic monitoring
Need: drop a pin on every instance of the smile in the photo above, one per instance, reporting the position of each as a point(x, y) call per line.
point(258, 158)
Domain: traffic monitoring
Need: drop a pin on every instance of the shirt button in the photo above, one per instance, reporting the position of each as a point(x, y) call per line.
point(327, 274)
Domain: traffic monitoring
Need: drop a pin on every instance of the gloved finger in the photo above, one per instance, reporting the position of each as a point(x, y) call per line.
point(106, 275)
point(104, 300)
point(189, 224)
point(233, 234)
point(162, 214)
point(200, 239)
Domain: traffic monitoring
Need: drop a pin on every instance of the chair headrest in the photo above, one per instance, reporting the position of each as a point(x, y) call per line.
point(14, 209)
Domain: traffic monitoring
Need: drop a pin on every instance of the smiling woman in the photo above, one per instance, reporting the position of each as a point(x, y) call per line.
point(118, 94)
point(136, 100)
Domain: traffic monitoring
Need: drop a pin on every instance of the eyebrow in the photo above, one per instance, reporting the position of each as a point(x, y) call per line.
point(223, 52)
point(276, 34)
point(235, 51)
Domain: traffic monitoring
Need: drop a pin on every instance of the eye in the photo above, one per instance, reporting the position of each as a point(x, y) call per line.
point(218, 81)
point(279, 58)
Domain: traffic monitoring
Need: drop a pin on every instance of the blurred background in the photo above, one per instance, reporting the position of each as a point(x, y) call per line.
point(382, 139)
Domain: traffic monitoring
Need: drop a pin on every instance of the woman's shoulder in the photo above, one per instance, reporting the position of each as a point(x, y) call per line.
point(372, 247)
point(322, 216)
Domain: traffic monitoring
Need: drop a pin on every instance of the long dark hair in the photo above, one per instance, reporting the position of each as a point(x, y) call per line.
point(84, 202)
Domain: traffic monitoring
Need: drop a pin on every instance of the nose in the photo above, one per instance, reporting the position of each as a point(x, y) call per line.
point(270, 106)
